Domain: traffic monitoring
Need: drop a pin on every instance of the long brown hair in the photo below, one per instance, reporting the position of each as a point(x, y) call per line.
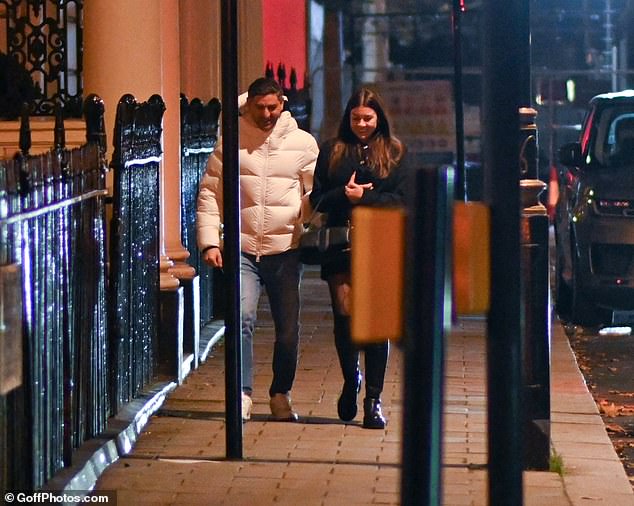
point(385, 150)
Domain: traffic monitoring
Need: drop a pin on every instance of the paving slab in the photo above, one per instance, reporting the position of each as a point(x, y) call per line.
point(179, 458)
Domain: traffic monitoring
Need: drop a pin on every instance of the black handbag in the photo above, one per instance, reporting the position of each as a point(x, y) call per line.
point(318, 243)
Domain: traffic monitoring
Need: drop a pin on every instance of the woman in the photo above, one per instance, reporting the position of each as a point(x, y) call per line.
point(363, 165)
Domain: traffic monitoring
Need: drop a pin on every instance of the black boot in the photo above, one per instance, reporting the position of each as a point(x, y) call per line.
point(349, 362)
point(347, 404)
point(372, 416)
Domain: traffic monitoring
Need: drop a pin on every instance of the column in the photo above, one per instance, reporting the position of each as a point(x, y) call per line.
point(251, 58)
point(200, 48)
point(121, 52)
point(333, 69)
point(175, 255)
point(180, 314)
point(133, 47)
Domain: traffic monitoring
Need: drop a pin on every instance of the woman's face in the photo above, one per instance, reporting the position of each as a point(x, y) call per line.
point(363, 121)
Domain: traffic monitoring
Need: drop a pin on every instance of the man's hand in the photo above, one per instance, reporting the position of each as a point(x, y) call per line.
point(213, 257)
point(354, 191)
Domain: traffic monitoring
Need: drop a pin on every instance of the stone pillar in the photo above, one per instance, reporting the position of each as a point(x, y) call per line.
point(119, 56)
point(174, 254)
point(141, 42)
point(200, 58)
point(137, 51)
point(133, 47)
point(175, 271)
point(200, 48)
point(250, 39)
point(332, 73)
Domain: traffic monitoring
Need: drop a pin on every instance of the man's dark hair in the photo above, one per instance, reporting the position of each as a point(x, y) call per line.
point(264, 86)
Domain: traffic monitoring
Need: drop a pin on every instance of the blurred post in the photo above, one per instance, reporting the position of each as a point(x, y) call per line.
point(471, 258)
point(427, 318)
point(504, 69)
point(456, 25)
point(377, 268)
point(535, 300)
point(231, 190)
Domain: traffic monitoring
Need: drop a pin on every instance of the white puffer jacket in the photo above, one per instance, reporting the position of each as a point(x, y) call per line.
point(276, 175)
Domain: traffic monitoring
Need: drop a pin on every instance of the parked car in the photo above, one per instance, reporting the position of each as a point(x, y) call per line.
point(594, 217)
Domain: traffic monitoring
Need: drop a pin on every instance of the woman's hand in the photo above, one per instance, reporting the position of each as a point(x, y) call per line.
point(354, 191)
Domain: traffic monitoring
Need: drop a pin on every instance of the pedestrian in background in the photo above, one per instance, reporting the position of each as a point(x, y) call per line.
point(363, 165)
point(277, 162)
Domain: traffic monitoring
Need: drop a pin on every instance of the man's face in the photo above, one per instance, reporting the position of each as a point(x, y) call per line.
point(265, 110)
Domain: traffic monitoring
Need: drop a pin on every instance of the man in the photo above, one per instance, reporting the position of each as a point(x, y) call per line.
point(277, 161)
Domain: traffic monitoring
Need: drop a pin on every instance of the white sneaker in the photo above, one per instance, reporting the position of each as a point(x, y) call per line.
point(247, 406)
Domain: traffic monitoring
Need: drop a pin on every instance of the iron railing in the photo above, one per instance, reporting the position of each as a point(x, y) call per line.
point(134, 254)
point(52, 232)
point(89, 328)
point(199, 134)
point(298, 100)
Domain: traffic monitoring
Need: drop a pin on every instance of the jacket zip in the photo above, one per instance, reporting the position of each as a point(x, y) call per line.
point(262, 204)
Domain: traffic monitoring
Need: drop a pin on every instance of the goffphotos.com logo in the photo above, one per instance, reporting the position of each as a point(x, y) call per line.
point(52, 498)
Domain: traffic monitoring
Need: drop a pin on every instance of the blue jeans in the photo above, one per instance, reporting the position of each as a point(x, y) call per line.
point(280, 276)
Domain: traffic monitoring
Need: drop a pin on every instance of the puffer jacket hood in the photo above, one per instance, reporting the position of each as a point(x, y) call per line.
point(276, 176)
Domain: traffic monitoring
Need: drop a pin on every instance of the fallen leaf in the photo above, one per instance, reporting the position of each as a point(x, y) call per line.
point(627, 410)
point(608, 409)
point(615, 428)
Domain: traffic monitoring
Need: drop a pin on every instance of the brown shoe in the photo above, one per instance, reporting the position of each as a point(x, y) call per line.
point(281, 408)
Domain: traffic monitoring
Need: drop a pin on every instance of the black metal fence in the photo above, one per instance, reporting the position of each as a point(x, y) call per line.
point(134, 253)
point(52, 232)
point(86, 332)
point(199, 134)
point(298, 100)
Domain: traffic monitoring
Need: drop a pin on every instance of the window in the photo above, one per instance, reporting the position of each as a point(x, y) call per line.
point(44, 38)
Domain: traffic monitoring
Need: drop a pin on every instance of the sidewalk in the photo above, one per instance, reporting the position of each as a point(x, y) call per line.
point(180, 457)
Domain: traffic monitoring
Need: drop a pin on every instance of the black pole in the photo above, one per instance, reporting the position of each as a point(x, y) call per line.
point(231, 252)
point(536, 348)
point(461, 180)
point(503, 72)
point(525, 54)
point(428, 313)
point(534, 257)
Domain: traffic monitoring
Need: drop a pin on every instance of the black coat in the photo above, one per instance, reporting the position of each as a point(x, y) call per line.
point(328, 193)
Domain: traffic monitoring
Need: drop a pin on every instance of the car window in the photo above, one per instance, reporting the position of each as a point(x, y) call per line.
point(614, 145)
point(621, 139)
